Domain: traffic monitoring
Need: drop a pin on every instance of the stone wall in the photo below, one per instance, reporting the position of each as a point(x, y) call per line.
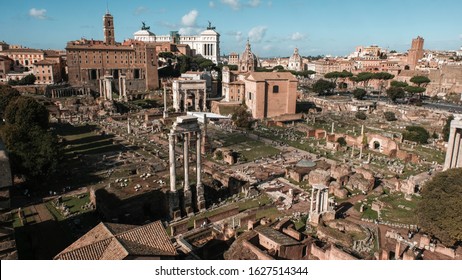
point(178, 228)
point(259, 253)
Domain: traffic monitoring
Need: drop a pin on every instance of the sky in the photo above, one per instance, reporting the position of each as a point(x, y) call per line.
point(273, 27)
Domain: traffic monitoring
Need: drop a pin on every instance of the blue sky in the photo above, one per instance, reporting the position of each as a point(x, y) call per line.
point(274, 27)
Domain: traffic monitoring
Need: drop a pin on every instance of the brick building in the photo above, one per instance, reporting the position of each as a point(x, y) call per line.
point(47, 72)
point(270, 94)
point(416, 52)
point(90, 60)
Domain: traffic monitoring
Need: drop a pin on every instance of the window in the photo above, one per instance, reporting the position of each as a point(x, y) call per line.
point(250, 96)
point(275, 89)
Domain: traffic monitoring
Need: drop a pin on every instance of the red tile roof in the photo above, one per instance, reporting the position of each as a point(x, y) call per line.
point(109, 241)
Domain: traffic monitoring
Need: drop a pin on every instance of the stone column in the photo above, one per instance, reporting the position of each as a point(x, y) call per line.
point(318, 198)
point(171, 151)
point(197, 99)
point(204, 136)
point(312, 201)
point(187, 189)
point(199, 187)
point(325, 204)
point(456, 150)
point(186, 161)
point(174, 200)
point(165, 101)
point(204, 100)
point(332, 129)
point(184, 94)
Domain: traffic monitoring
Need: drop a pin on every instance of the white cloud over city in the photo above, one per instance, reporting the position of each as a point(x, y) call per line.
point(189, 23)
point(297, 36)
point(38, 13)
point(257, 33)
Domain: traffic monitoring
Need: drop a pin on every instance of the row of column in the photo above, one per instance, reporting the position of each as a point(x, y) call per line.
point(321, 196)
point(209, 49)
point(57, 93)
point(174, 202)
point(123, 88)
point(183, 95)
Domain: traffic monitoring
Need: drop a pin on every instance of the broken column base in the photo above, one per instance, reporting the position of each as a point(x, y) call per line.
point(174, 206)
point(201, 205)
point(187, 197)
point(314, 219)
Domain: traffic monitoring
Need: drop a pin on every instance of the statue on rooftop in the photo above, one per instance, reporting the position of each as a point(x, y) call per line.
point(144, 27)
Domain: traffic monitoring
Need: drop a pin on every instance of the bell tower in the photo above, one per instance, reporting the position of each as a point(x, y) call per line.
point(108, 24)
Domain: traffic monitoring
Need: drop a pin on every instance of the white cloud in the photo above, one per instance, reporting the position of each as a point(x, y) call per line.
point(189, 30)
point(267, 47)
point(38, 13)
point(297, 36)
point(234, 4)
point(140, 10)
point(212, 4)
point(257, 33)
point(254, 3)
point(190, 18)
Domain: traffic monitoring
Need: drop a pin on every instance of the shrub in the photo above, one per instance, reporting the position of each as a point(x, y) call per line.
point(390, 116)
point(361, 115)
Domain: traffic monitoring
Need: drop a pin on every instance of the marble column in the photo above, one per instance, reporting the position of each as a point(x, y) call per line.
point(171, 150)
point(165, 102)
point(199, 186)
point(174, 199)
point(197, 101)
point(187, 196)
point(186, 161)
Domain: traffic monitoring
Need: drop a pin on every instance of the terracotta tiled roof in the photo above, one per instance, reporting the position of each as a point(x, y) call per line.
point(109, 241)
point(262, 76)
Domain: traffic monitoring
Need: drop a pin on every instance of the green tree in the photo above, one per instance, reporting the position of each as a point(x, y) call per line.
point(382, 77)
point(341, 141)
point(7, 94)
point(389, 116)
point(184, 63)
point(420, 81)
point(34, 153)
point(232, 67)
point(395, 92)
point(26, 112)
point(278, 68)
point(334, 76)
point(398, 84)
point(323, 87)
point(359, 93)
point(447, 127)
point(364, 77)
point(167, 55)
point(416, 134)
point(242, 117)
point(360, 115)
point(440, 210)
point(413, 90)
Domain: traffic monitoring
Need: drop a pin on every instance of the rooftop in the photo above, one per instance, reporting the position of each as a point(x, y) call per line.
point(263, 76)
point(109, 241)
point(276, 236)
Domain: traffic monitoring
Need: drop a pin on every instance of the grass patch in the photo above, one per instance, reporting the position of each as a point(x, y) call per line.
point(74, 203)
point(270, 213)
